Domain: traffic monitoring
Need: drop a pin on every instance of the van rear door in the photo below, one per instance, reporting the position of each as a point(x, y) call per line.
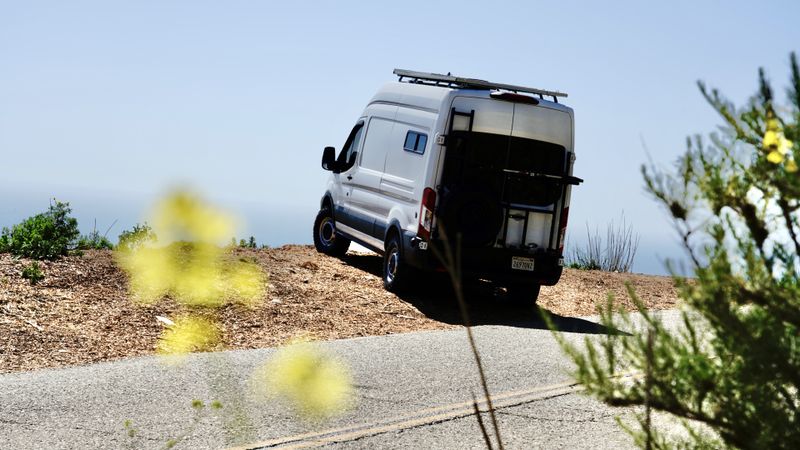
point(499, 182)
point(544, 139)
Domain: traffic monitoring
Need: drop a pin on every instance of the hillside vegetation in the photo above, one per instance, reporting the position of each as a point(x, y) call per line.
point(80, 312)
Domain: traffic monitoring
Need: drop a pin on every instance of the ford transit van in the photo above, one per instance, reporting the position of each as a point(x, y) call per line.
point(488, 163)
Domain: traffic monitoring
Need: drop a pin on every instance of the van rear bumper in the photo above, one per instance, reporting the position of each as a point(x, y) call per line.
point(489, 263)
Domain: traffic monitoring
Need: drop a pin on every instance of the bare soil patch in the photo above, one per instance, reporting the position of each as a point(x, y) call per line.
point(80, 313)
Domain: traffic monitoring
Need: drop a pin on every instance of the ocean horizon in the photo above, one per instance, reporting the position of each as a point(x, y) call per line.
point(273, 223)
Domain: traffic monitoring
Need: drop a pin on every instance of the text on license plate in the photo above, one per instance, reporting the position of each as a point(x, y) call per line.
point(520, 263)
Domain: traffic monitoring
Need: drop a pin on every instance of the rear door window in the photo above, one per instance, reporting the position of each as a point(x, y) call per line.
point(504, 165)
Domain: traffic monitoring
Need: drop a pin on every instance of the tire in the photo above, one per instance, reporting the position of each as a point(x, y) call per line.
point(396, 273)
point(325, 238)
point(523, 293)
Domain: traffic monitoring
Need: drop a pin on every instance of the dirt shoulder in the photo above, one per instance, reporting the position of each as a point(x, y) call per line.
point(80, 313)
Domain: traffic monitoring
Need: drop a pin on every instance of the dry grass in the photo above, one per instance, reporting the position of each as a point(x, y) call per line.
point(614, 254)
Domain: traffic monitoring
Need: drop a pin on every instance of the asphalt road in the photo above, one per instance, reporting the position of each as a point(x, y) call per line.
point(413, 391)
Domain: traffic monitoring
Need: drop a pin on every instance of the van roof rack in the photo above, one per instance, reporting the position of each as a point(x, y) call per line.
point(437, 79)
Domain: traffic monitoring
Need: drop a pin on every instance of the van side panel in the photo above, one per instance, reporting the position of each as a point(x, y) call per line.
point(364, 205)
point(404, 176)
point(418, 95)
point(376, 144)
point(404, 169)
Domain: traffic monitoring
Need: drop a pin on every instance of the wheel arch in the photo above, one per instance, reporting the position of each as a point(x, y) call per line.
point(393, 229)
point(327, 200)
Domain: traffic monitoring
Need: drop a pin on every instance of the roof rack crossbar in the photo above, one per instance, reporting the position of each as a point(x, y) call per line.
point(448, 80)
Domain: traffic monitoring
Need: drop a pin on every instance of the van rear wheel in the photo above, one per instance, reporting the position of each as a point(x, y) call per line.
point(325, 238)
point(523, 293)
point(396, 273)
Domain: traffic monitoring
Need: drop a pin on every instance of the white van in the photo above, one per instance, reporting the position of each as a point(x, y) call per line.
point(491, 163)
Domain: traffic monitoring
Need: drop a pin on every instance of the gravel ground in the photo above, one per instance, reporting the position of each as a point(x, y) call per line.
point(80, 313)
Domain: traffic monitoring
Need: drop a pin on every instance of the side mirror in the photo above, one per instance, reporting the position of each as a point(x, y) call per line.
point(329, 158)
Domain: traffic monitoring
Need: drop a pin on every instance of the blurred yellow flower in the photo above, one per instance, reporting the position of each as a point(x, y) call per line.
point(247, 282)
point(151, 273)
point(316, 384)
point(785, 145)
point(775, 143)
point(791, 166)
point(770, 139)
point(189, 334)
point(188, 263)
point(775, 157)
point(184, 216)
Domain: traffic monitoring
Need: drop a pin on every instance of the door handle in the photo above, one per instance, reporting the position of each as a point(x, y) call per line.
point(349, 177)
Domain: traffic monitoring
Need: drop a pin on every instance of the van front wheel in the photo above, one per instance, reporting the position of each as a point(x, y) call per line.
point(325, 238)
point(396, 273)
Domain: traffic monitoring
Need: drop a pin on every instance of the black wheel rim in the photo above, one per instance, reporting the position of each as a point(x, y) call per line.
point(392, 260)
point(327, 231)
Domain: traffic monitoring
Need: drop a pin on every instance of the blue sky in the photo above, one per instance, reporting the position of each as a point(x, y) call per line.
point(108, 104)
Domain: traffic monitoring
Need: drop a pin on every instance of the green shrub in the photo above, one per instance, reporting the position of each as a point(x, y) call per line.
point(32, 272)
point(140, 235)
point(733, 365)
point(94, 241)
point(583, 266)
point(244, 243)
point(48, 235)
point(250, 243)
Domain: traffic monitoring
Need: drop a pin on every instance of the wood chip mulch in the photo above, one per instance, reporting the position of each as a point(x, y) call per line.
point(80, 313)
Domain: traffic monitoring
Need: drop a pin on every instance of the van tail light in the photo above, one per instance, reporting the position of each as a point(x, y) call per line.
point(562, 229)
point(426, 214)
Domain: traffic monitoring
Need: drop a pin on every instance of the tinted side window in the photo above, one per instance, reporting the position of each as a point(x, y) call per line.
point(415, 142)
point(350, 146)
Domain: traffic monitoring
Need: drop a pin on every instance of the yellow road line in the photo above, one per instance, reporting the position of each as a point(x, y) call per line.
point(413, 419)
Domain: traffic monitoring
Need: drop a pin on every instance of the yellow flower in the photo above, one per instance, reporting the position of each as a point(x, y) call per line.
point(770, 139)
point(784, 145)
point(791, 166)
point(188, 263)
point(247, 282)
point(183, 216)
point(775, 157)
point(189, 334)
point(149, 273)
point(315, 384)
point(775, 143)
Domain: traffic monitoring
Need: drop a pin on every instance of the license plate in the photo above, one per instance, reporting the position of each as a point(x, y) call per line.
point(520, 263)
